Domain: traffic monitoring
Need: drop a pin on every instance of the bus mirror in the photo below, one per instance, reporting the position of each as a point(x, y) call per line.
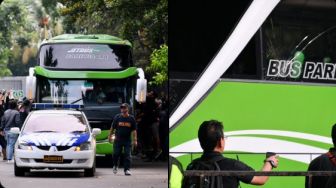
point(15, 130)
point(141, 90)
point(30, 84)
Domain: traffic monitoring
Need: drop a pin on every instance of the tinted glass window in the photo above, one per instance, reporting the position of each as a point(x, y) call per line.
point(85, 56)
point(245, 66)
point(87, 92)
point(299, 42)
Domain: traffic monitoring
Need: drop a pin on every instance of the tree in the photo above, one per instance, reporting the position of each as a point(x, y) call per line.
point(10, 20)
point(143, 22)
point(20, 33)
point(159, 66)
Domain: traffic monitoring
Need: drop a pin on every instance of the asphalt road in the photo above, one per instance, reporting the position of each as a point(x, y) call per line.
point(144, 175)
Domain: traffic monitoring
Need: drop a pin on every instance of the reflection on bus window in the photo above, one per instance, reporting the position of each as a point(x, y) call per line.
point(301, 33)
point(87, 92)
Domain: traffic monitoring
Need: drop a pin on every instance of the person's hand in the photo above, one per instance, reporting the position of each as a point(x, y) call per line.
point(2, 133)
point(274, 159)
point(111, 138)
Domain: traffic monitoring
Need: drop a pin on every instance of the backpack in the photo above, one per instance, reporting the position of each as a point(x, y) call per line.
point(207, 181)
point(172, 177)
point(174, 161)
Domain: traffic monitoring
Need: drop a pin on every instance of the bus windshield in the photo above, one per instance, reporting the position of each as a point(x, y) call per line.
point(85, 56)
point(87, 92)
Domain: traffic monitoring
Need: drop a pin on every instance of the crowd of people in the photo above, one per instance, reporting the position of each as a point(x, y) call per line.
point(13, 113)
point(152, 121)
point(151, 118)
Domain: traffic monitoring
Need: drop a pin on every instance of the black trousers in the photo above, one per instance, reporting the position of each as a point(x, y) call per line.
point(118, 147)
point(3, 142)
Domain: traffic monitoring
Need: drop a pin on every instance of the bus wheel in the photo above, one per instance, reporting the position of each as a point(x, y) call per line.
point(108, 157)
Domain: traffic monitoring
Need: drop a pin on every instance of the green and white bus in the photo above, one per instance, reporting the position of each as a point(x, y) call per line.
point(279, 99)
point(96, 71)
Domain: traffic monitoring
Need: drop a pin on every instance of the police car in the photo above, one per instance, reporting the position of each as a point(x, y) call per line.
point(55, 139)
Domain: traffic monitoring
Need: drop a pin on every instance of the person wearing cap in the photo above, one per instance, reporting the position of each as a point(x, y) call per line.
point(122, 127)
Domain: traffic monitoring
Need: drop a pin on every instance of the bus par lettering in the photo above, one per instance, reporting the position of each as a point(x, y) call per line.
point(293, 69)
point(283, 68)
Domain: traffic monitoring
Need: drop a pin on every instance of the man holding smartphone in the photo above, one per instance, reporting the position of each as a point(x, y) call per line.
point(212, 140)
point(123, 126)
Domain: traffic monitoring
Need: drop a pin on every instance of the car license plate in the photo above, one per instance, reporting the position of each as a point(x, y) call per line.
point(53, 159)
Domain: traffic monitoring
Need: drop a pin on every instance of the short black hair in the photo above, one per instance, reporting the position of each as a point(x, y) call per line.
point(12, 104)
point(209, 133)
point(124, 105)
point(26, 102)
point(333, 134)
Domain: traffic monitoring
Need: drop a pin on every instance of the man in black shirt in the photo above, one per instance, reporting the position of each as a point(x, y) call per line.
point(325, 162)
point(123, 124)
point(211, 138)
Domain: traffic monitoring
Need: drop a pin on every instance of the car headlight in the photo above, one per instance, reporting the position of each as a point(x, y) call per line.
point(25, 146)
point(83, 147)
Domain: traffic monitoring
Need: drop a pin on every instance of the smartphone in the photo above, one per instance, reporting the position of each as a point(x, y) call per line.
point(270, 154)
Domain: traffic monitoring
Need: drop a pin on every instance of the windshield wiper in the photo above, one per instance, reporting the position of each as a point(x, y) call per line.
point(77, 132)
point(77, 100)
point(45, 131)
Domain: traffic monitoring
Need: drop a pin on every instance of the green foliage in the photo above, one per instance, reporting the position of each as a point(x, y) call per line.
point(11, 19)
point(143, 22)
point(20, 34)
point(4, 55)
point(159, 66)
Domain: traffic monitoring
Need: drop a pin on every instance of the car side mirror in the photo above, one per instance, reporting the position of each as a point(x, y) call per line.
point(15, 130)
point(96, 131)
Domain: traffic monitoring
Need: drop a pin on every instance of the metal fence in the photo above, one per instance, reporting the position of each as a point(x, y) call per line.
point(309, 174)
point(13, 82)
point(192, 154)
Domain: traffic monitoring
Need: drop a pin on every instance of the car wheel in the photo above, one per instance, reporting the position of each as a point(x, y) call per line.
point(90, 172)
point(18, 171)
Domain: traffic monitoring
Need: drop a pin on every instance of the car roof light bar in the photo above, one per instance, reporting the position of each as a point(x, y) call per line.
point(41, 106)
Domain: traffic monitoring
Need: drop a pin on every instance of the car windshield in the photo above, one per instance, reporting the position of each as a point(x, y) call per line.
point(60, 123)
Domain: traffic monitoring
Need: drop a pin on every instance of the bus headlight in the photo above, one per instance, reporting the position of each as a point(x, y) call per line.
point(83, 147)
